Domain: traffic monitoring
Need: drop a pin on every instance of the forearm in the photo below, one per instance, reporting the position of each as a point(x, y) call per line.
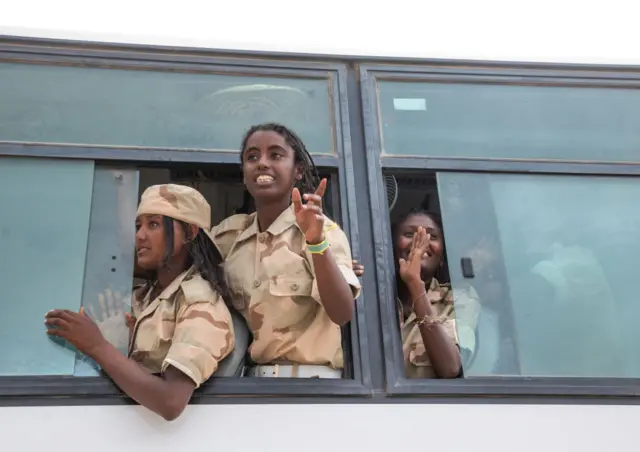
point(335, 293)
point(443, 353)
point(154, 393)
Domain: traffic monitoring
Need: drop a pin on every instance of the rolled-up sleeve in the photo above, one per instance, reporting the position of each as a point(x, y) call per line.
point(203, 336)
point(341, 252)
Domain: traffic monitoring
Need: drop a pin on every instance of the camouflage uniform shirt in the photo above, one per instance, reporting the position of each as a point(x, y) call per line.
point(187, 326)
point(460, 327)
point(273, 282)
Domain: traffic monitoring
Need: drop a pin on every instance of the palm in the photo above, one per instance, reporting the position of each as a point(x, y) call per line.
point(411, 268)
point(309, 216)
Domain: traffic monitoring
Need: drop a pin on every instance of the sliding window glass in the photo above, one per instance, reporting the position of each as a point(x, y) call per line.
point(66, 241)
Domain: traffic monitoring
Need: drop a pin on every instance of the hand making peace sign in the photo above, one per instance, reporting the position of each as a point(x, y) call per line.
point(309, 216)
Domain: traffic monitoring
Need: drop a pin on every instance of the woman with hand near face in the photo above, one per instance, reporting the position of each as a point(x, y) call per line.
point(181, 328)
point(289, 266)
point(433, 333)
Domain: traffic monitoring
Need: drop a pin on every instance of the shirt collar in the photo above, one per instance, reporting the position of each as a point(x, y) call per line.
point(172, 288)
point(284, 221)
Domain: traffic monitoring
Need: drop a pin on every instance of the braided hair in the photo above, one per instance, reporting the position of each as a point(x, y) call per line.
point(203, 256)
point(310, 177)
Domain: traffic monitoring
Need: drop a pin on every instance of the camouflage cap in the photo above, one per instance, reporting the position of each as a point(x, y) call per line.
point(178, 202)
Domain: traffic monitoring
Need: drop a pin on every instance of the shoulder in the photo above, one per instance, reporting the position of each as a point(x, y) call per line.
point(334, 233)
point(234, 223)
point(195, 289)
point(330, 225)
point(138, 293)
point(225, 233)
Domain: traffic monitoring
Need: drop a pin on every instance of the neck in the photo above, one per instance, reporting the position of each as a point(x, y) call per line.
point(268, 212)
point(167, 274)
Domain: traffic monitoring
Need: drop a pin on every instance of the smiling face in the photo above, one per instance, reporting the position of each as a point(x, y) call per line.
point(151, 242)
point(269, 166)
point(403, 238)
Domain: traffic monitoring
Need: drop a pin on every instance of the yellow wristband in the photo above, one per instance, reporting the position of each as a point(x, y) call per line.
point(318, 248)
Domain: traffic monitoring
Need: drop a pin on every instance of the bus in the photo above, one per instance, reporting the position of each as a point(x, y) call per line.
point(517, 123)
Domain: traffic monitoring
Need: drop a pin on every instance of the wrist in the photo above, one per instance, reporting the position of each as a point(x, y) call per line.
point(99, 350)
point(314, 240)
point(415, 284)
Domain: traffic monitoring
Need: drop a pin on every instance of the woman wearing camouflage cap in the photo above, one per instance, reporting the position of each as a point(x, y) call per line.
point(183, 327)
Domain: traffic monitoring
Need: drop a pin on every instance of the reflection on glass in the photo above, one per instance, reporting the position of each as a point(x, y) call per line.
point(44, 224)
point(509, 121)
point(97, 106)
point(109, 266)
point(554, 266)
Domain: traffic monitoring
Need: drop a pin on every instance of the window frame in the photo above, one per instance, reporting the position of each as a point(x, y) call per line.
point(132, 57)
point(370, 74)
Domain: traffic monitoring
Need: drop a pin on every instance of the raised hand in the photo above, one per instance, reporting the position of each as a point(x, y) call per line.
point(309, 216)
point(410, 269)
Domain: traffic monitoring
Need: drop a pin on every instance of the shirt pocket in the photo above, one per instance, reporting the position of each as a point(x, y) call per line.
point(291, 302)
point(290, 288)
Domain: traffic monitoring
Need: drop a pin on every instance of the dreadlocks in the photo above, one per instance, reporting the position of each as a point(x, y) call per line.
point(203, 255)
point(310, 178)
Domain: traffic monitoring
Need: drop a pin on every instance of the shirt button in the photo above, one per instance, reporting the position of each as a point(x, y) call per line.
point(256, 283)
point(261, 238)
point(294, 287)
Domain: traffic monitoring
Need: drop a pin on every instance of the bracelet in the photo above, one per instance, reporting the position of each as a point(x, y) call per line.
point(428, 320)
point(435, 320)
point(413, 303)
point(318, 248)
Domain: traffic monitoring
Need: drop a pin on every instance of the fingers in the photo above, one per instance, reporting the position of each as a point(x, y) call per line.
point(321, 188)
point(56, 322)
point(312, 199)
point(63, 314)
point(312, 208)
point(421, 240)
point(130, 320)
point(358, 268)
point(58, 333)
point(296, 200)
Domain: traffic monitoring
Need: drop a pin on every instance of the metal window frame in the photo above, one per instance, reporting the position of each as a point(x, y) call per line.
point(51, 388)
point(397, 383)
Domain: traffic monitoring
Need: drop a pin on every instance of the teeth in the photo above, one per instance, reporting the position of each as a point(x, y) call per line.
point(263, 179)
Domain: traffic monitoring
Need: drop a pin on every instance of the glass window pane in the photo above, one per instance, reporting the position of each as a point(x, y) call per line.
point(106, 293)
point(83, 105)
point(508, 121)
point(554, 262)
point(44, 225)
